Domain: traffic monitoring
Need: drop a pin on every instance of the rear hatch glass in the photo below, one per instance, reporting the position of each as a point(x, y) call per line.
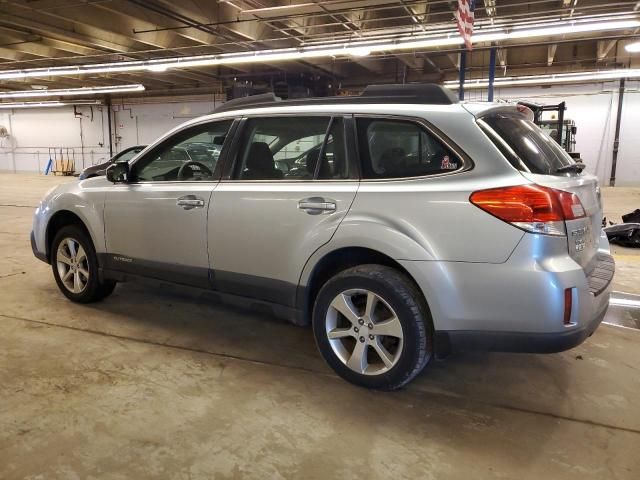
point(539, 158)
point(525, 145)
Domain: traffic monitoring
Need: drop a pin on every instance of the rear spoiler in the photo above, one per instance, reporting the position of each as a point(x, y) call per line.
point(528, 109)
point(480, 110)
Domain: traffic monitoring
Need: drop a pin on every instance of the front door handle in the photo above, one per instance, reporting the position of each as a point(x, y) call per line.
point(317, 205)
point(190, 201)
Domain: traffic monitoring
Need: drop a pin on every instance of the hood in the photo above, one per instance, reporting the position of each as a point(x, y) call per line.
point(75, 187)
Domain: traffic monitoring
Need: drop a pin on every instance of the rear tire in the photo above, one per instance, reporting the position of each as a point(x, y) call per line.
point(380, 327)
point(75, 266)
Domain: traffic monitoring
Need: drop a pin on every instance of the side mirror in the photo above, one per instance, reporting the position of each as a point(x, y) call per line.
point(118, 172)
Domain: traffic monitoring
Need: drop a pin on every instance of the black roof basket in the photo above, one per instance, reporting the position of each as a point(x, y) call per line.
point(425, 93)
point(412, 93)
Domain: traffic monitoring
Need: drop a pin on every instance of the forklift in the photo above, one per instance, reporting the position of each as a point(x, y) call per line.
point(562, 130)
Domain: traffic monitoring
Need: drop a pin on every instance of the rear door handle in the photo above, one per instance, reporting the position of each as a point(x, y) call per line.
point(317, 205)
point(190, 201)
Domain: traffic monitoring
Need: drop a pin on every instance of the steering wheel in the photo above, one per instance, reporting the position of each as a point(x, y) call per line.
point(187, 166)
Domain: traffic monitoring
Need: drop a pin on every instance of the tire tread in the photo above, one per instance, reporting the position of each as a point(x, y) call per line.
point(403, 287)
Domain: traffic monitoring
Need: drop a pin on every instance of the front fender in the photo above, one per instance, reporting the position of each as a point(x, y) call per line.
point(84, 199)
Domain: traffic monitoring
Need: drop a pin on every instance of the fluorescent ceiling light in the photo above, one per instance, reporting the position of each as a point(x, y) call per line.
point(47, 104)
point(360, 52)
point(64, 92)
point(278, 7)
point(447, 38)
point(633, 47)
point(158, 68)
point(579, 77)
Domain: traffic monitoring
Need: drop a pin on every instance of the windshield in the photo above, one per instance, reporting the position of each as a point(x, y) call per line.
point(528, 148)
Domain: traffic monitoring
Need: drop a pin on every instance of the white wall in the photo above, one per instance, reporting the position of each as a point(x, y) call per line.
point(38, 134)
point(593, 107)
point(628, 167)
point(142, 124)
point(35, 133)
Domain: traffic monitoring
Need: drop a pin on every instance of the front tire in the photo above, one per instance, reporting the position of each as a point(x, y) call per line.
point(373, 327)
point(75, 266)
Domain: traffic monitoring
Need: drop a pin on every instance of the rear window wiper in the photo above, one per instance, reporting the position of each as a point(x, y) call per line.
point(574, 167)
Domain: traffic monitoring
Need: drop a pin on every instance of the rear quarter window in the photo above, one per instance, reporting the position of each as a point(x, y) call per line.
point(525, 145)
point(391, 148)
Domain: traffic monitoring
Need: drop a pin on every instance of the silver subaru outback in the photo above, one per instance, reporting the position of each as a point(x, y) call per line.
point(401, 224)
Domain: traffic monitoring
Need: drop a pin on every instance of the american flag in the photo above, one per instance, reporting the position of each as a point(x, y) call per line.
point(464, 19)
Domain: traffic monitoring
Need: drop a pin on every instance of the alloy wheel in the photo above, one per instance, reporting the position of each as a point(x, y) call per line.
point(73, 265)
point(364, 331)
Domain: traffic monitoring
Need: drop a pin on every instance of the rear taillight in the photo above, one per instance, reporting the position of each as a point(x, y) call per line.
point(533, 208)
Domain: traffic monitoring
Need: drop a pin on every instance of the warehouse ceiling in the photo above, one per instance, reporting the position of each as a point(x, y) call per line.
point(50, 33)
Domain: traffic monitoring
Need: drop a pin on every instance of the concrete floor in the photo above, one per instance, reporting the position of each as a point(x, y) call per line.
point(161, 382)
point(617, 202)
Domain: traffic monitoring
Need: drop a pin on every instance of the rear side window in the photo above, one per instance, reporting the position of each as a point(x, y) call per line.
point(526, 147)
point(292, 148)
point(397, 149)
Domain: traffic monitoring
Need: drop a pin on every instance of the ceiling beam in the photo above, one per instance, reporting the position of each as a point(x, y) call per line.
point(69, 47)
point(502, 59)
point(55, 48)
point(604, 47)
point(90, 23)
point(63, 46)
point(490, 9)
point(454, 58)
point(412, 61)
point(551, 53)
point(47, 29)
point(120, 47)
point(32, 44)
point(432, 65)
point(148, 20)
point(372, 65)
point(15, 55)
point(188, 9)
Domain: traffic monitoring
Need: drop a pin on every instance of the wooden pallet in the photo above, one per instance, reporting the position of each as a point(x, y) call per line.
point(64, 167)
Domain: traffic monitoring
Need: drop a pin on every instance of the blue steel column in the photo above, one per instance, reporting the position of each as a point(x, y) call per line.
point(463, 69)
point(492, 72)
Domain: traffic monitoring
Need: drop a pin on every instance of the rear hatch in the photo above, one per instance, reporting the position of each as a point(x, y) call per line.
point(583, 234)
point(542, 161)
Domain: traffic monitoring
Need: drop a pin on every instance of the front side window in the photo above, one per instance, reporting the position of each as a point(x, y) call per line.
point(527, 148)
point(292, 148)
point(190, 155)
point(392, 148)
point(127, 155)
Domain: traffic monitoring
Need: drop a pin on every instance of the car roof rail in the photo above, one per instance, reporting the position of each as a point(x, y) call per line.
point(412, 93)
point(246, 102)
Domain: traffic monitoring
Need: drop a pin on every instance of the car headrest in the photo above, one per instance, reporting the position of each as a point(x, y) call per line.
point(260, 157)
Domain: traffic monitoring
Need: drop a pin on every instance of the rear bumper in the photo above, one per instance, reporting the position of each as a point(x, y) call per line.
point(519, 342)
point(516, 306)
point(39, 255)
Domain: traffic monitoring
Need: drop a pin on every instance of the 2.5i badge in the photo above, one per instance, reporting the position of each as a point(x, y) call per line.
point(579, 235)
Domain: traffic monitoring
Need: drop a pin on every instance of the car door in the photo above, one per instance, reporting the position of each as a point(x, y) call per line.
point(265, 223)
point(156, 224)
